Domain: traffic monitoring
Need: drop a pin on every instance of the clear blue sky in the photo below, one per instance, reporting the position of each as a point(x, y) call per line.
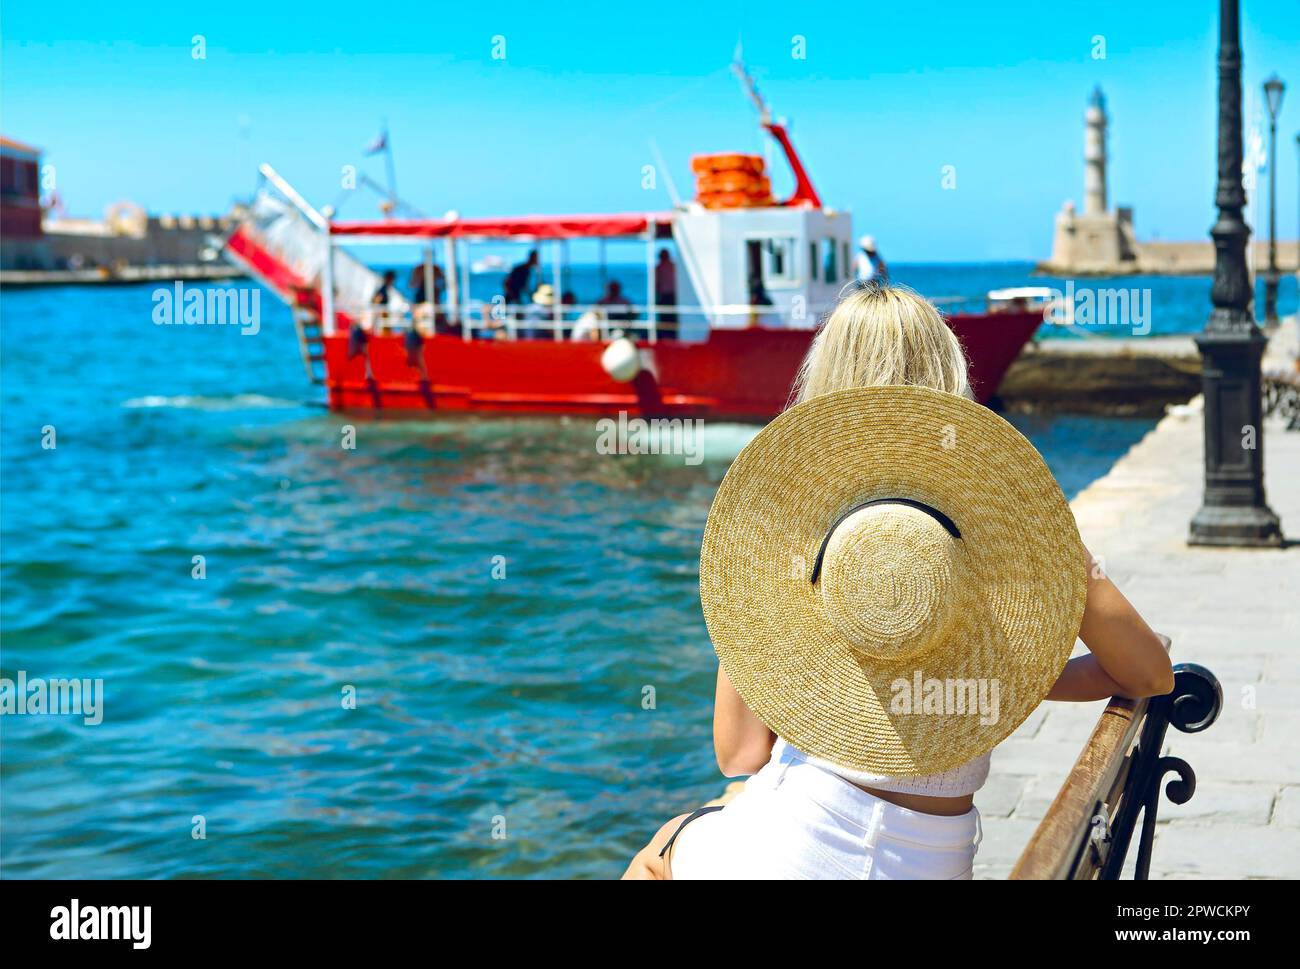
point(888, 94)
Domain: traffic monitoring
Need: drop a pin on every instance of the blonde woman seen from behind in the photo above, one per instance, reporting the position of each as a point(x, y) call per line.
point(850, 553)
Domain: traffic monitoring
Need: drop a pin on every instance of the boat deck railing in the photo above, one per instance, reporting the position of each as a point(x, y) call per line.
point(497, 320)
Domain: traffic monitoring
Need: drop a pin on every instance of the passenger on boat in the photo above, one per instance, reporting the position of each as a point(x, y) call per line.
point(493, 327)
point(519, 280)
point(665, 280)
point(618, 309)
point(588, 326)
point(666, 293)
point(540, 312)
point(418, 294)
point(384, 291)
point(869, 265)
point(380, 301)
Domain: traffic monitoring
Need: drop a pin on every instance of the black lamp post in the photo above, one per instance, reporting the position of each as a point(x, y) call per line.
point(1273, 91)
point(1234, 511)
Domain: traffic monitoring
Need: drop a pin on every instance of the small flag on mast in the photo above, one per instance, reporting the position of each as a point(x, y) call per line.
point(379, 144)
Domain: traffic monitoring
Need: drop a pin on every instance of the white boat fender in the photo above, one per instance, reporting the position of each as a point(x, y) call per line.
point(621, 360)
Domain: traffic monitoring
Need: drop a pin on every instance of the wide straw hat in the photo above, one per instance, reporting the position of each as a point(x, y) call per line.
point(892, 579)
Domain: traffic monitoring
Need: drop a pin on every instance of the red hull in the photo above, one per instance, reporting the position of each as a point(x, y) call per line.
point(735, 374)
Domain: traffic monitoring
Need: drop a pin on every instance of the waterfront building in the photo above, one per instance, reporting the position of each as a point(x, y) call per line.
point(21, 243)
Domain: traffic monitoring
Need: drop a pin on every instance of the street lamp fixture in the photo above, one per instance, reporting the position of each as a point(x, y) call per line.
point(1274, 88)
point(1273, 91)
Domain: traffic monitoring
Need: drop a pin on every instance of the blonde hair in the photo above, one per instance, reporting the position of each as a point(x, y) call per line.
point(880, 335)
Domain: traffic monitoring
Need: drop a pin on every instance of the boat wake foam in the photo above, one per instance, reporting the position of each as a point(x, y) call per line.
point(200, 402)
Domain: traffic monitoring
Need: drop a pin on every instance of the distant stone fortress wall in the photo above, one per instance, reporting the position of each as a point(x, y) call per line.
point(1180, 258)
point(125, 237)
point(1161, 259)
point(1103, 244)
point(150, 241)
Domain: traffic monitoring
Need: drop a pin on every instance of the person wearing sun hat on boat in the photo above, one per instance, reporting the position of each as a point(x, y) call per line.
point(892, 581)
point(539, 312)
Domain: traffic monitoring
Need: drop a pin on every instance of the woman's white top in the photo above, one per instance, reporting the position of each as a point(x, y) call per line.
point(964, 779)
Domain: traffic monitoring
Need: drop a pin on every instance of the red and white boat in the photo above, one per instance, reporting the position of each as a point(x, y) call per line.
point(711, 355)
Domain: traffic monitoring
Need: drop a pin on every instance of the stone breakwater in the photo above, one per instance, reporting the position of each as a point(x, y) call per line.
point(1172, 259)
point(1128, 377)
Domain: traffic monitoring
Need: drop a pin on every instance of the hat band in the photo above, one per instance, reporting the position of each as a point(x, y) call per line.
point(948, 525)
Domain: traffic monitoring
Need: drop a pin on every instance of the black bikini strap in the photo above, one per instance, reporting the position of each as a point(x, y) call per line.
point(687, 820)
point(948, 525)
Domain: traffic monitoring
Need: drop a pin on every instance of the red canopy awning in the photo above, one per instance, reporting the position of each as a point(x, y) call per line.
point(522, 226)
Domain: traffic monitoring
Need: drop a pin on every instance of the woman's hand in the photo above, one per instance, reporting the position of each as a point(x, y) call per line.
point(1127, 658)
point(741, 741)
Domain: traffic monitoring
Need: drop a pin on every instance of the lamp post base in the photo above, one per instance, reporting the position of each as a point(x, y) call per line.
point(1242, 527)
point(1234, 510)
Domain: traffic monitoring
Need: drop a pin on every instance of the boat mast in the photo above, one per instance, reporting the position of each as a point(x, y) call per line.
point(804, 193)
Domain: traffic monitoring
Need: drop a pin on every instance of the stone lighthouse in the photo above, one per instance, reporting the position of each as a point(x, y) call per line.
point(1096, 240)
point(1094, 155)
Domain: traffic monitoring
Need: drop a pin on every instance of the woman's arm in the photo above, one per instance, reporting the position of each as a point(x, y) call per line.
point(741, 741)
point(1126, 657)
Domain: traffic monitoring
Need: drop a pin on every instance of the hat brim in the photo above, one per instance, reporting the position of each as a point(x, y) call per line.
point(1020, 613)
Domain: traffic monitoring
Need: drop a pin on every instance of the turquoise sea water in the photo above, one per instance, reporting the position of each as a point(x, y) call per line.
point(481, 701)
